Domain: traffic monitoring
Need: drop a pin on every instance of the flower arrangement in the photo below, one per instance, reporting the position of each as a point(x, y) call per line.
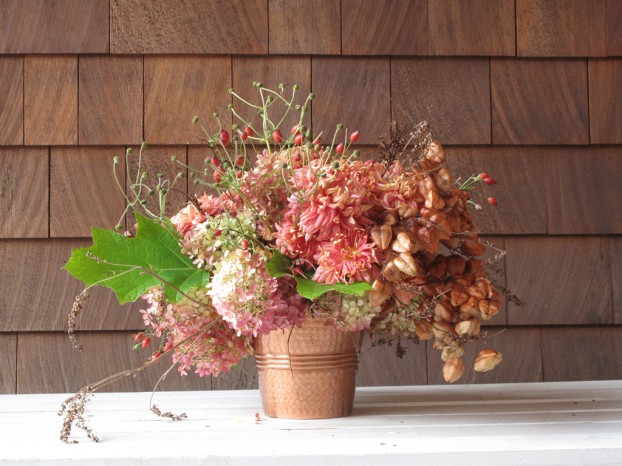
point(289, 226)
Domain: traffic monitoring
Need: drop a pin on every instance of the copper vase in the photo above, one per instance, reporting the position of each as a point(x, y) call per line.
point(307, 372)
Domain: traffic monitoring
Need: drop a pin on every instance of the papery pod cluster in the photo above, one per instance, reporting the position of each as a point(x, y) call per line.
point(433, 283)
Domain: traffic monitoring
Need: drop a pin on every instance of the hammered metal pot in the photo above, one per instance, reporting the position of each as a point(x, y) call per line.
point(307, 372)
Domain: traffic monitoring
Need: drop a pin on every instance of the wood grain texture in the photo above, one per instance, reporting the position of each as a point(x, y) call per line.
point(561, 28)
point(188, 26)
point(157, 160)
point(584, 190)
point(271, 71)
point(178, 88)
point(380, 366)
point(8, 363)
point(42, 293)
point(522, 358)
point(50, 100)
point(46, 363)
point(12, 98)
point(582, 353)
point(474, 27)
point(297, 27)
point(539, 101)
point(68, 26)
point(614, 27)
point(354, 92)
point(384, 27)
point(616, 277)
point(241, 377)
point(453, 95)
point(605, 101)
point(560, 280)
point(110, 100)
point(24, 191)
point(83, 190)
point(520, 190)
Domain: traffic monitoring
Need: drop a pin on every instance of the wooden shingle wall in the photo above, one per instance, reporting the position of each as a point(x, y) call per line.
point(529, 91)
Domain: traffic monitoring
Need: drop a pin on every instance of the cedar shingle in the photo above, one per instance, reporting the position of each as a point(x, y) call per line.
point(83, 190)
point(24, 191)
point(189, 26)
point(12, 98)
point(47, 364)
point(561, 28)
point(42, 293)
point(605, 101)
point(616, 273)
point(475, 27)
point(297, 27)
point(70, 26)
point(384, 27)
point(110, 100)
point(522, 358)
point(539, 101)
point(178, 88)
point(614, 27)
point(581, 353)
point(51, 100)
point(8, 363)
point(453, 95)
point(584, 190)
point(520, 190)
point(560, 280)
point(354, 92)
point(271, 71)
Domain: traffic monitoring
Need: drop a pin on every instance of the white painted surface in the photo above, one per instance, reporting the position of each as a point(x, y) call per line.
point(571, 423)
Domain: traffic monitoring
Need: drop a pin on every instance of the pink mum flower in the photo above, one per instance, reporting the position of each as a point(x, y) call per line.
point(347, 258)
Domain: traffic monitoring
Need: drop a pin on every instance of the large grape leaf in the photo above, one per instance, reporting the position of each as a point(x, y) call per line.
point(130, 266)
point(311, 290)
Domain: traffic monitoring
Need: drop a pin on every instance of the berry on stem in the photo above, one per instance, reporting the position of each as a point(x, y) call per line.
point(339, 148)
point(146, 342)
point(244, 243)
point(489, 180)
point(277, 136)
point(138, 337)
point(224, 137)
point(249, 131)
point(492, 201)
point(217, 232)
point(214, 161)
point(355, 136)
point(298, 139)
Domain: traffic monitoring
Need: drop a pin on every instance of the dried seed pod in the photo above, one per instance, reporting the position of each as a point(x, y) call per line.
point(435, 152)
point(458, 296)
point(390, 271)
point(487, 359)
point(456, 265)
point(453, 370)
point(473, 248)
point(454, 350)
point(380, 292)
point(470, 327)
point(381, 236)
point(407, 211)
point(389, 218)
point(403, 243)
point(423, 331)
point(403, 296)
point(443, 331)
point(489, 308)
point(472, 304)
point(438, 268)
point(406, 264)
point(442, 179)
point(443, 312)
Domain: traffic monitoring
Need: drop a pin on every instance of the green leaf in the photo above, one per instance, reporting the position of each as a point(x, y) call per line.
point(311, 290)
point(128, 265)
point(278, 265)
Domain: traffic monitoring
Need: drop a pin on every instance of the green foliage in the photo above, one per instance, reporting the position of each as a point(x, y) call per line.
point(279, 265)
point(130, 266)
point(311, 290)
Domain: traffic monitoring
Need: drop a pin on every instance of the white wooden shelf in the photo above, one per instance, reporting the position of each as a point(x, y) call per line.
point(569, 423)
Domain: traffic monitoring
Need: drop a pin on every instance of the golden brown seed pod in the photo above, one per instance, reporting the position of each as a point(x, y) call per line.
point(456, 265)
point(423, 331)
point(403, 243)
point(435, 152)
point(453, 370)
point(487, 359)
point(443, 180)
point(381, 236)
point(489, 308)
point(458, 295)
point(443, 312)
point(470, 327)
point(473, 248)
point(407, 211)
point(443, 331)
point(406, 264)
point(390, 271)
point(380, 292)
point(403, 296)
